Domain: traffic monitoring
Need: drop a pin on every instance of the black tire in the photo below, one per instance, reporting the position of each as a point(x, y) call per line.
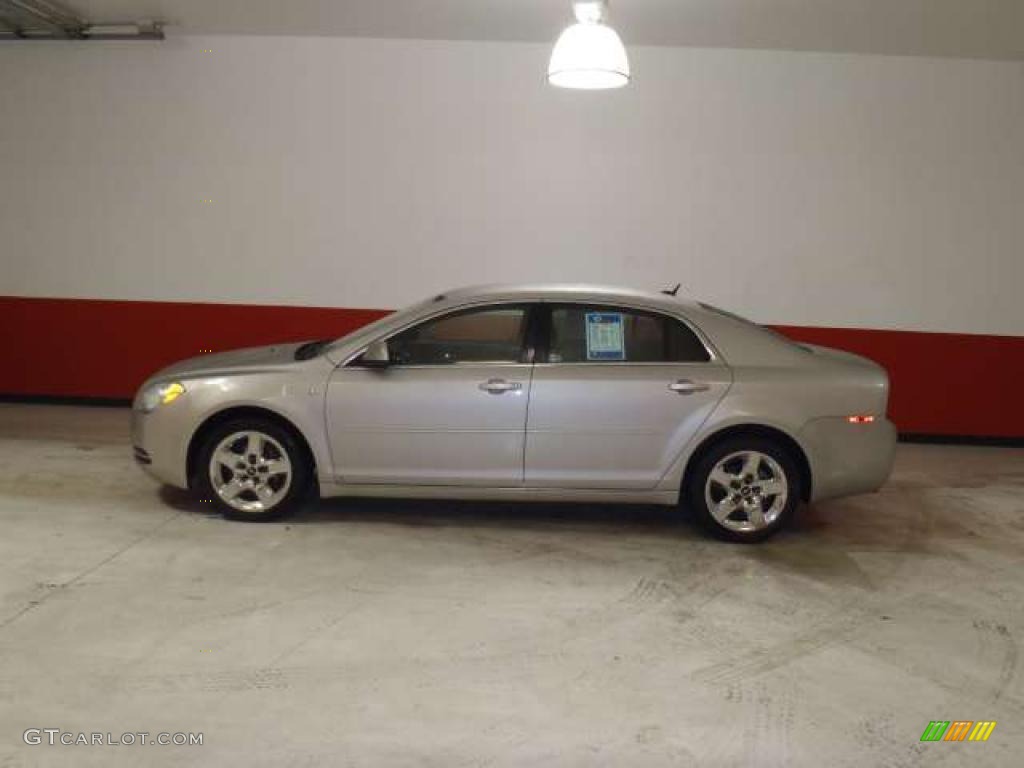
point(287, 498)
point(730, 529)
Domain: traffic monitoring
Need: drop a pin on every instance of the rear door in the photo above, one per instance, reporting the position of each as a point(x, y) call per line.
point(616, 395)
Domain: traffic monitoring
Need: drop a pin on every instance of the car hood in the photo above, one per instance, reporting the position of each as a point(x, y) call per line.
point(247, 360)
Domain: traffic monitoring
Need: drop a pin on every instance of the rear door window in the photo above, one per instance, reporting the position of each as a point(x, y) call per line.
point(595, 334)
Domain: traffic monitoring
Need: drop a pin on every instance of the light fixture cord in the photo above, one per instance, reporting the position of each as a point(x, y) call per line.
point(590, 11)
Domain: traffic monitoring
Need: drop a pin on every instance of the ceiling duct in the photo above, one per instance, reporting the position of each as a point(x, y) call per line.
point(47, 20)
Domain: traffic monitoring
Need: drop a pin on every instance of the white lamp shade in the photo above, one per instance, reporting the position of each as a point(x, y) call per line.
point(589, 55)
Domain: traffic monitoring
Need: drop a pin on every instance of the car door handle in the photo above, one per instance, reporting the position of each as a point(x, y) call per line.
point(498, 386)
point(687, 387)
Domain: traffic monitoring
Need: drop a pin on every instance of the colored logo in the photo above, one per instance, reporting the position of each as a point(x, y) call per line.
point(958, 730)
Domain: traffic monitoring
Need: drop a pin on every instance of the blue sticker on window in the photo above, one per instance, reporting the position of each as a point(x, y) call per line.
point(605, 340)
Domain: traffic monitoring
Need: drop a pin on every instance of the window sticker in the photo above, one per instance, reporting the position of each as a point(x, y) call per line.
point(605, 340)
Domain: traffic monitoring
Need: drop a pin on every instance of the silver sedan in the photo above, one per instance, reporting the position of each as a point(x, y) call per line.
point(528, 393)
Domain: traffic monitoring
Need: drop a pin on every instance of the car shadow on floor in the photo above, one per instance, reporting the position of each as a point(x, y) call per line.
point(634, 519)
point(504, 514)
point(456, 513)
point(813, 546)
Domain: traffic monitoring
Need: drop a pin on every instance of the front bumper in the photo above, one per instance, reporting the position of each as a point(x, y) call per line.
point(160, 445)
point(847, 458)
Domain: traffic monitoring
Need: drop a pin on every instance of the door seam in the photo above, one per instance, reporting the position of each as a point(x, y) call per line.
point(526, 423)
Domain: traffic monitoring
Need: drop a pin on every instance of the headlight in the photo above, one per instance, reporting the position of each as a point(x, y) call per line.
point(160, 394)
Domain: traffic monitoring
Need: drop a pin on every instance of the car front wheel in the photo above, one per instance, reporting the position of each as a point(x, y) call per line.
point(252, 469)
point(744, 488)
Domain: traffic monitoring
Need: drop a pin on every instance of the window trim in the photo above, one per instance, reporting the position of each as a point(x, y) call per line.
point(528, 348)
point(544, 347)
point(538, 332)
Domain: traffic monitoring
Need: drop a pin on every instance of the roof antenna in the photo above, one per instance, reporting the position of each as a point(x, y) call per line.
point(673, 291)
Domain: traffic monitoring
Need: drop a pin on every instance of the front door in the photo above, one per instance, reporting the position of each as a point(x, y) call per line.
point(617, 397)
point(450, 409)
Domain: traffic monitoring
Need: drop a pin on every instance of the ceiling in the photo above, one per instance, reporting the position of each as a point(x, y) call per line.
point(958, 28)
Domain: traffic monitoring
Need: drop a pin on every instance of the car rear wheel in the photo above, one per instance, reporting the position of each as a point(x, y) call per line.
point(744, 488)
point(252, 469)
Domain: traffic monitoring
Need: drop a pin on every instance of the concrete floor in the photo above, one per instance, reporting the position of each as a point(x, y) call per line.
point(441, 634)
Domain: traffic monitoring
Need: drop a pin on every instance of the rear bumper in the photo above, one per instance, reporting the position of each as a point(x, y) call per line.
point(848, 458)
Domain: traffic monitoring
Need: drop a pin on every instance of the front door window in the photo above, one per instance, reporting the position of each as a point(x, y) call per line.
point(491, 335)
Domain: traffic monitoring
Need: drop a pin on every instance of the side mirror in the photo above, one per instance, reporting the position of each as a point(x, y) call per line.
point(376, 355)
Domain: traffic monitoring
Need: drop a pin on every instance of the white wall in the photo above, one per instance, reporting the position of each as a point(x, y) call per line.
point(796, 188)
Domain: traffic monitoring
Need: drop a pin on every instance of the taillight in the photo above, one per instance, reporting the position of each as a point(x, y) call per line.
point(860, 419)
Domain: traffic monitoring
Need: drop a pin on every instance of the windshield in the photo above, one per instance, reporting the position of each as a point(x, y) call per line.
point(368, 332)
point(311, 349)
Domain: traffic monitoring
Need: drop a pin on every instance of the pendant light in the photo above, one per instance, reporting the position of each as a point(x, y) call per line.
point(589, 54)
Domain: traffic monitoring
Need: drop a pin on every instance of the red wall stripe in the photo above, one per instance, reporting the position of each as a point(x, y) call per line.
point(942, 383)
point(95, 348)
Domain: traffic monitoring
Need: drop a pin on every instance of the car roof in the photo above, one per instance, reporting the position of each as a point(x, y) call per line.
point(588, 292)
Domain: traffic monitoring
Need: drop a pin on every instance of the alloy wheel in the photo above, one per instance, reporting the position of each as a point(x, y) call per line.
point(746, 491)
point(250, 471)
